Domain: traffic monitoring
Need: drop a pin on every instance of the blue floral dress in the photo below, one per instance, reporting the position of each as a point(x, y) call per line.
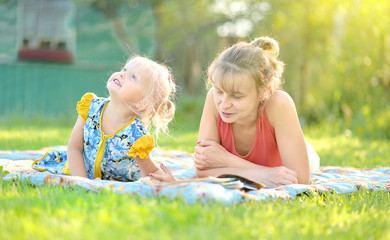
point(109, 157)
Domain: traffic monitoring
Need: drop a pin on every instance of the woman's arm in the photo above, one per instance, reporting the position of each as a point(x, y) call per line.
point(208, 148)
point(268, 176)
point(289, 136)
point(211, 159)
point(209, 153)
point(208, 129)
point(75, 150)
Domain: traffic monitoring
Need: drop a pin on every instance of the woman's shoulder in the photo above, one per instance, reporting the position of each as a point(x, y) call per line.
point(280, 98)
point(210, 105)
point(279, 103)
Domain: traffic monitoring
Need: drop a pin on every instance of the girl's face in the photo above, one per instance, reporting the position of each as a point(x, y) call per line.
point(236, 99)
point(131, 83)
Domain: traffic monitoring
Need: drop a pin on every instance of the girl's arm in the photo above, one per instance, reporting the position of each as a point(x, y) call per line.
point(149, 168)
point(75, 150)
point(289, 136)
point(146, 166)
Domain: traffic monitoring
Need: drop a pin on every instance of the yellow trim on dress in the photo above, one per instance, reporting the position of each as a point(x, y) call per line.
point(42, 169)
point(65, 170)
point(84, 104)
point(142, 147)
point(97, 172)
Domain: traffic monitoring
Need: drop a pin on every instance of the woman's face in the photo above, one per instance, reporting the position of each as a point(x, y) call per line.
point(236, 99)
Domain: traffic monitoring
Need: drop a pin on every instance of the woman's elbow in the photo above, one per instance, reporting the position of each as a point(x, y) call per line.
point(200, 173)
point(304, 180)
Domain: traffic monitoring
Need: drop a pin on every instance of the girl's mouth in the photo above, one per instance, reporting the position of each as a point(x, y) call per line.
point(116, 81)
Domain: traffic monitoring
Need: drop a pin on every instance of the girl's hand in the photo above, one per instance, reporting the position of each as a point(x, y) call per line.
point(163, 176)
point(209, 154)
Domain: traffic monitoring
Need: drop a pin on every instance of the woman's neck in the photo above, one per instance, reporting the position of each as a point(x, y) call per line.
point(247, 123)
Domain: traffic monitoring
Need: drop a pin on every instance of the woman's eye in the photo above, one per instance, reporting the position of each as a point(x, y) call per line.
point(123, 69)
point(132, 76)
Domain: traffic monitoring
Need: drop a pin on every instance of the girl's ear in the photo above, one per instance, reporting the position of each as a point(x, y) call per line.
point(138, 105)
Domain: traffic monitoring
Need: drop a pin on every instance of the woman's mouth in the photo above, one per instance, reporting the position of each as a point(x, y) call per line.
point(226, 115)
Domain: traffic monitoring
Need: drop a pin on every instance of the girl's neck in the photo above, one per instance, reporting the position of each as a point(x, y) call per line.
point(119, 111)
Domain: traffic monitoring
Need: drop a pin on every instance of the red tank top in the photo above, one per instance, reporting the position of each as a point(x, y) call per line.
point(264, 150)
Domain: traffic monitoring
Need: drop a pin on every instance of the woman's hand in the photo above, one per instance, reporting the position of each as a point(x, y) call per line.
point(163, 176)
point(274, 176)
point(209, 154)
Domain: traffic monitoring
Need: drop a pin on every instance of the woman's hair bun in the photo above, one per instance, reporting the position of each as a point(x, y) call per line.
point(268, 44)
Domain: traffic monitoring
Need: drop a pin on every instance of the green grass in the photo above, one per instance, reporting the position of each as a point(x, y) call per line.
point(57, 212)
point(27, 212)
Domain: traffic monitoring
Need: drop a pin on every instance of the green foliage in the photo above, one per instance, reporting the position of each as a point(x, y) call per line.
point(337, 53)
point(2, 172)
point(345, 148)
point(337, 60)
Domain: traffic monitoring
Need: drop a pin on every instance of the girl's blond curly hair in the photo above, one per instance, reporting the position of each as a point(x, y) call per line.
point(156, 109)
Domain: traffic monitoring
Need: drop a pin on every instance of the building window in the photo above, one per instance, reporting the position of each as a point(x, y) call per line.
point(45, 30)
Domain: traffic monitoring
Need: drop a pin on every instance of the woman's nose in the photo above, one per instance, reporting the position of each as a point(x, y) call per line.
point(225, 102)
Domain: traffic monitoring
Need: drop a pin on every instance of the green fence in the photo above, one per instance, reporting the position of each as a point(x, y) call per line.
point(33, 89)
point(30, 89)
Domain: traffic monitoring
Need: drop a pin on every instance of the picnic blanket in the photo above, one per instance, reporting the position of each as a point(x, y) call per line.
point(227, 190)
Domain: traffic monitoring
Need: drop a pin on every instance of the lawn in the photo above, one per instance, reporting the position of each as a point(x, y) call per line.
point(49, 212)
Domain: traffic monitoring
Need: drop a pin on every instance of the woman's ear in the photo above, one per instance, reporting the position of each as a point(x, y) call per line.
point(264, 94)
point(260, 96)
point(138, 105)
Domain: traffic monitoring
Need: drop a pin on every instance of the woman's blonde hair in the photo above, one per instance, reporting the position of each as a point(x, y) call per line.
point(257, 58)
point(157, 109)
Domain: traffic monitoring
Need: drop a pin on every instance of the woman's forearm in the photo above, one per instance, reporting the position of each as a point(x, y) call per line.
point(258, 175)
point(214, 172)
point(267, 176)
point(249, 173)
point(234, 161)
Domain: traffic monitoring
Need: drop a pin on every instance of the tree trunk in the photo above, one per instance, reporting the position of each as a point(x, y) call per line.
point(110, 10)
point(121, 35)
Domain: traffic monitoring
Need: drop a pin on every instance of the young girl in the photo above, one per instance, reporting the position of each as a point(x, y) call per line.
point(110, 140)
point(249, 126)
